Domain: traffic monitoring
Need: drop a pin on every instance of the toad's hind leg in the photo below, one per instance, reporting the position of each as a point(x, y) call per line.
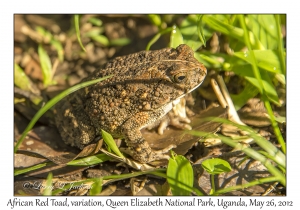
point(139, 148)
point(73, 123)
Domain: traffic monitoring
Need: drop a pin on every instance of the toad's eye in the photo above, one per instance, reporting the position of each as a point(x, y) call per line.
point(180, 77)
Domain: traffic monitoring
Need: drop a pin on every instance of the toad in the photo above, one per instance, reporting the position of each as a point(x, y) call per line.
point(144, 87)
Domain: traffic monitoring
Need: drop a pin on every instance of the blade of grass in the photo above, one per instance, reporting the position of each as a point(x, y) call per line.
point(97, 186)
point(59, 48)
point(230, 30)
point(20, 78)
point(200, 30)
point(48, 187)
point(46, 66)
point(280, 45)
point(275, 125)
point(157, 36)
point(109, 179)
point(262, 90)
point(248, 151)
point(31, 168)
point(24, 94)
point(91, 160)
point(271, 157)
point(278, 156)
point(244, 186)
point(51, 103)
point(76, 22)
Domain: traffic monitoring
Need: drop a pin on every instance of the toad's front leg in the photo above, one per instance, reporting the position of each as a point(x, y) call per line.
point(139, 148)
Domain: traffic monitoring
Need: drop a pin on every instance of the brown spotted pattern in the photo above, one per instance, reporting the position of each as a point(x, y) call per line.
point(141, 91)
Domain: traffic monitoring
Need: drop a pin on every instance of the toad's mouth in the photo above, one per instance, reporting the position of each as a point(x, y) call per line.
point(172, 104)
point(176, 101)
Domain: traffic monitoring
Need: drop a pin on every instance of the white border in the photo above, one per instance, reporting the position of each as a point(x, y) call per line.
point(146, 7)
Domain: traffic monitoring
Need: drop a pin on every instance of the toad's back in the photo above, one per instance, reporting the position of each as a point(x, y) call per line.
point(142, 89)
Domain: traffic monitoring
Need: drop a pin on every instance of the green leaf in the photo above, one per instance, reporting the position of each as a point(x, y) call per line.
point(224, 27)
point(241, 99)
point(176, 37)
point(155, 19)
point(200, 30)
point(266, 59)
point(47, 36)
point(111, 143)
point(269, 87)
point(230, 30)
point(280, 119)
point(94, 32)
point(264, 28)
point(59, 49)
point(101, 39)
point(209, 60)
point(180, 176)
point(120, 42)
point(280, 78)
point(90, 160)
point(216, 166)
point(157, 36)
point(48, 189)
point(45, 65)
point(20, 78)
point(247, 72)
point(97, 186)
point(189, 31)
point(95, 21)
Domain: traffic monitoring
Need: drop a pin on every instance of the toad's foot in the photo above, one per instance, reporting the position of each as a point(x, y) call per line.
point(153, 155)
point(176, 121)
point(177, 118)
point(139, 148)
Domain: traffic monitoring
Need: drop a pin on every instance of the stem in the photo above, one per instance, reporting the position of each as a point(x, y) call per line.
point(275, 126)
point(244, 186)
point(213, 188)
